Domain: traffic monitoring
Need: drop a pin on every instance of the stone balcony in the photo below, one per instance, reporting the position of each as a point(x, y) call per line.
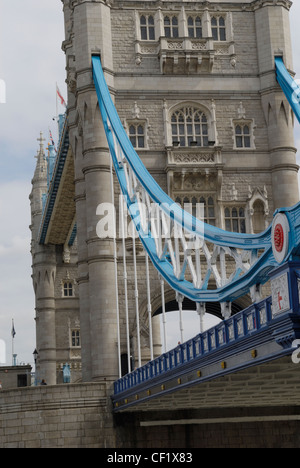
point(185, 55)
point(194, 168)
point(191, 157)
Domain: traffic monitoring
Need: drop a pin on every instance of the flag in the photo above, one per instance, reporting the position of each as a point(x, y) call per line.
point(62, 101)
point(52, 141)
point(51, 138)
point(13, 331)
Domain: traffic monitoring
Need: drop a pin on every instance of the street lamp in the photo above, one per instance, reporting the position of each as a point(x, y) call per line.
point(35, 355)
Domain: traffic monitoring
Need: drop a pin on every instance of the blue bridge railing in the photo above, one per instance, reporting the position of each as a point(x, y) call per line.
point(240, 326)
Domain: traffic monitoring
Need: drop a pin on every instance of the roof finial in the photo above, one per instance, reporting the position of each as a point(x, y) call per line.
point(41, 141)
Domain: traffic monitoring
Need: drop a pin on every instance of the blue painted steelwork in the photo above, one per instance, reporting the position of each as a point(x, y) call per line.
point(228, 333)
point(50, 163)
point(239, 284)
point(289, 86)
point(54, 185)
point(56, 164)
point(73, 236)
point(61, 122)
point(254, 336)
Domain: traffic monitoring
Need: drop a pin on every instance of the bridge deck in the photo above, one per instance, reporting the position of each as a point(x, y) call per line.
point(257, 340)
point(272, 384)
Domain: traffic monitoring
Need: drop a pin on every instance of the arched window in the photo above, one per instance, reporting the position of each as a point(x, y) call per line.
point(243, 136)
point(76, 339)
point(258, 219)
point(147, 28)
point(137, 135)
point(218, 28)
point(68, 289)
point(195, 27)
point(189, 127)
point(171, 26)
point(209, 210)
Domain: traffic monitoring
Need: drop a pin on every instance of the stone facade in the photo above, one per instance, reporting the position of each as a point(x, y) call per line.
point(15, 377)
point(194, 84)
point(79, 416)
point(63, 416)
point(232, 428)
point(56, 291)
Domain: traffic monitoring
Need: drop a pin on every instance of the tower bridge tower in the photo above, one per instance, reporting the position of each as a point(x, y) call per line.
point(194, 84)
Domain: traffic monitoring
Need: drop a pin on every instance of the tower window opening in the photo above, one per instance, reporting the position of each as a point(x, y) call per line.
point(137, 135)
point(76, 340)
point(189, 127)
point(171, 27)
point(195, 27)
point(218, 28)
point(242, 136)
point(147, 28)
point(235, 219)
point(68, 289)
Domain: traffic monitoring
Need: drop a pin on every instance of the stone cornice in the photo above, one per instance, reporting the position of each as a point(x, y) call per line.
point(257, 4)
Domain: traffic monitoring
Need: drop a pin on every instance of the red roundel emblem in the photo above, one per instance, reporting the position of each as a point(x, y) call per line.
point(278, 238)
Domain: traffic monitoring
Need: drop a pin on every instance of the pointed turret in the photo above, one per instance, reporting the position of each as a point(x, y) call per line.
point(39, 188)
point(43, 273)
point(40, 173)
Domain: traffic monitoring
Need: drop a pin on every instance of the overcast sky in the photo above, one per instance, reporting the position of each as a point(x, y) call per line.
point(31, 62)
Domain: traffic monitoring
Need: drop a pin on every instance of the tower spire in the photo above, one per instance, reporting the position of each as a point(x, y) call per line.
point(41, 141)
point(41, 165)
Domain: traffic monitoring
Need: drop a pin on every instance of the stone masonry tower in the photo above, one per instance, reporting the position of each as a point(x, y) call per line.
point(88, 29)
point(54, 280)
point(194, 85)
point(273, 38)
point(43, 275)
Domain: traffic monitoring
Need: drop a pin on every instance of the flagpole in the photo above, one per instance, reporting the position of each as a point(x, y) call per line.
point(12, 342)
point(63, 103)
point(57, 119)
point(56, 101)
